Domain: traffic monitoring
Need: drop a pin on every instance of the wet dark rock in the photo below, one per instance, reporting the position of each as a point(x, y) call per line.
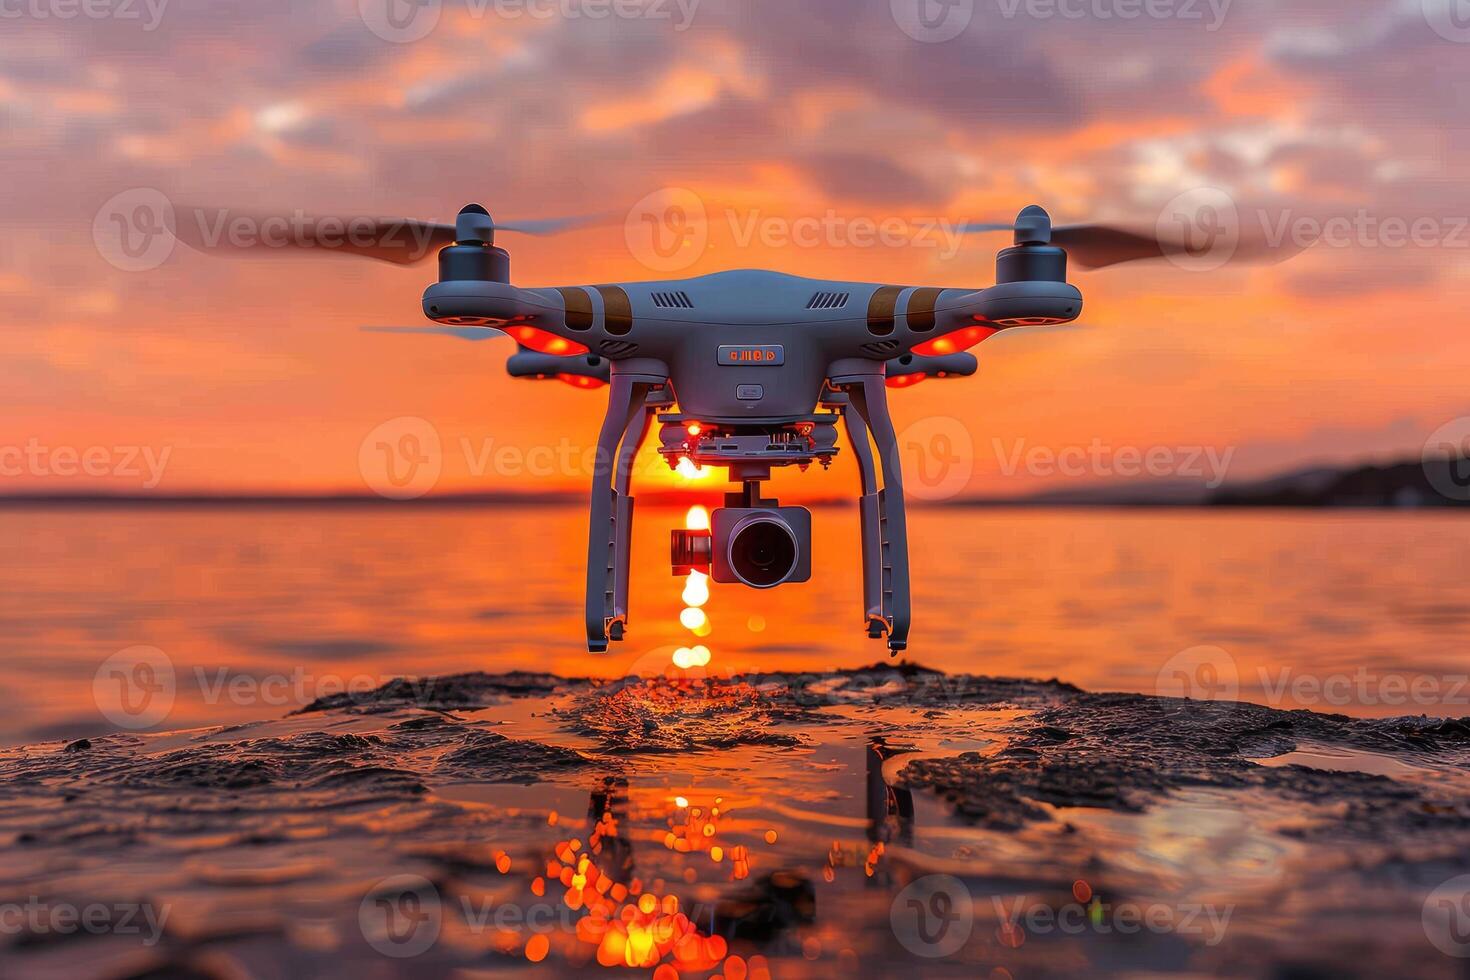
point(492, 758)
point(1127, 752)
point(678, 716)
point(281, 827)
point(905, 684)
point(454, 692)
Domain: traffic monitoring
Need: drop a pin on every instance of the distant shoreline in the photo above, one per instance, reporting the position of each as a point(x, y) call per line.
point(1405, 486)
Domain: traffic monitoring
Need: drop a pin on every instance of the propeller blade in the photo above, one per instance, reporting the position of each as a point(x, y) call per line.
point(401, 241)
point(463, 333)
point(980, 227)
point(1094, 245)
point(1097, 246)
point(555, 226)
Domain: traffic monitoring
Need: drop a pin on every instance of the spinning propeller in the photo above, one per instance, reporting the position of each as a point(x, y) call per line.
point(1095, 246)
point(402, 241)
point(408, 241)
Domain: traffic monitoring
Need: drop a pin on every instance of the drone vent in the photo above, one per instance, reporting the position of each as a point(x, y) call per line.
point(827, 301)
point(618, 348)
point(673, 301)
point(1030, 321)
point(882, 348)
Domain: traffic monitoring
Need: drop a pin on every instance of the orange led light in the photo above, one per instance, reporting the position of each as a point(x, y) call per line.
point(543, 342)
point(907, 381)
point(953, 343)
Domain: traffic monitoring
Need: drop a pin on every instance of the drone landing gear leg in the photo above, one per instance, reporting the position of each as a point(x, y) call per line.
point(634, 436)
point(869, 397)
point(870, 515)
point(625, 400)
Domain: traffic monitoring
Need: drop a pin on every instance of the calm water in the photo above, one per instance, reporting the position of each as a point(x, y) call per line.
point(858, 825)
point(260, 610)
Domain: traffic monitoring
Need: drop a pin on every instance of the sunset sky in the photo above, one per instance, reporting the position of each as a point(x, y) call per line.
point(251, 375)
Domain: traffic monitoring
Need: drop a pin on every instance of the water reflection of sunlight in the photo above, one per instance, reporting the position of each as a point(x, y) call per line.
point(696, 595)
point(639, 924)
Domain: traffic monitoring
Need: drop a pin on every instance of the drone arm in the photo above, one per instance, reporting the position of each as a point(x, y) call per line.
point(562, 321)
point(936, 323)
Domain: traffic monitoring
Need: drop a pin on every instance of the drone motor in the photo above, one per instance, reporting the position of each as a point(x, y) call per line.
point(474, 256)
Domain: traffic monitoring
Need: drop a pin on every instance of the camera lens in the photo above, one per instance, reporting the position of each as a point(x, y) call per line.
point(763, 552)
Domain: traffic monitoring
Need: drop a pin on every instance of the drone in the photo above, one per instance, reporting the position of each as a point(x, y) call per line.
point(750, 371)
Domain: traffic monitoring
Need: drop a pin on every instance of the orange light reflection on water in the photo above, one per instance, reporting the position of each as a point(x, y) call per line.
point(696, 595)
point(641, 924)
